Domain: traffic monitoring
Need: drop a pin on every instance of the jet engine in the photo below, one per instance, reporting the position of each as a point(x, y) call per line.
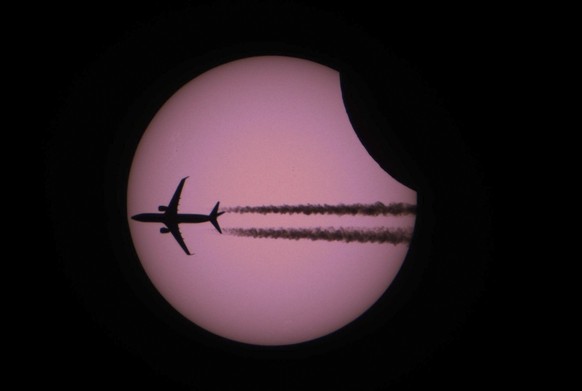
point(162, 208)
point(164, 230)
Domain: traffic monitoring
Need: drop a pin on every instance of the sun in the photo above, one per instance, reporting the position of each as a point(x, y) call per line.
point(265, 132)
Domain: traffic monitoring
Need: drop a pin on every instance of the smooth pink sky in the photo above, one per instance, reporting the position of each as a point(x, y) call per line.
point(262, 130)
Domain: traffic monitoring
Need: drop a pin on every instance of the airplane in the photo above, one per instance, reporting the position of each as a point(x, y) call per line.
point(172, 219)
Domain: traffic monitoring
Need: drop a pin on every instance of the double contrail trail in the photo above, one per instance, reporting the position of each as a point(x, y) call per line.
point(376, 209)
point(347, 235)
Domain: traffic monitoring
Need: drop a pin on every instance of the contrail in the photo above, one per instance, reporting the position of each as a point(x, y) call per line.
point(376, 209)
point(347, 235)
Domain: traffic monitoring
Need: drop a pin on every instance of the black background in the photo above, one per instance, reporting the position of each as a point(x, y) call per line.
point(429, 76)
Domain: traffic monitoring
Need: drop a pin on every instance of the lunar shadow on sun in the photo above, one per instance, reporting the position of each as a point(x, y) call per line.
point(375, 132)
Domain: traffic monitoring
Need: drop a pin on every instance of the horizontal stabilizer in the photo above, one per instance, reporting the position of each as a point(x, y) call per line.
point(214, 216)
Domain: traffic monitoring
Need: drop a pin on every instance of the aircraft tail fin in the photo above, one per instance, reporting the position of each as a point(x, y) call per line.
point(214, 216)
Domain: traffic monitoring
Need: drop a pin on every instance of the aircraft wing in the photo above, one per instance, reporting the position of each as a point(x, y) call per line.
point(173, 206)
point(175, 230)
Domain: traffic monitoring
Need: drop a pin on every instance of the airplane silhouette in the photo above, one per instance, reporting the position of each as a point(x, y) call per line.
point(171, 218)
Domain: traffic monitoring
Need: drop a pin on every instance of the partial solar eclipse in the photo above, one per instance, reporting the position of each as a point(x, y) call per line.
point(313, 229)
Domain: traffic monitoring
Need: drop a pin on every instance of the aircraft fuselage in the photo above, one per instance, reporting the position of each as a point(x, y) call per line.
point(177, 218)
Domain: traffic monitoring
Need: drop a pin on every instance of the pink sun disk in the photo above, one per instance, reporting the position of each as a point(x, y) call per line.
point(263, 131)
